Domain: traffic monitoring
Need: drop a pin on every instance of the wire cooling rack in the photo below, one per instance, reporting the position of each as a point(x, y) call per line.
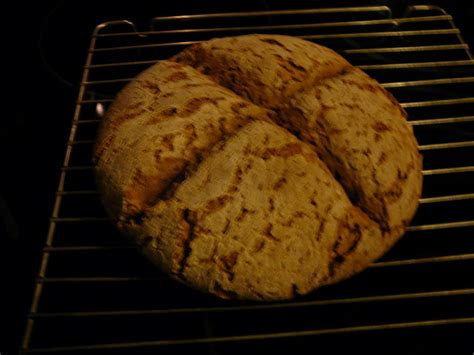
point(95, 294)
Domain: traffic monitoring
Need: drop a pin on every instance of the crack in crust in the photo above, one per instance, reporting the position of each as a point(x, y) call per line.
point(333, 264)
point(217, 203)
point(134, 219)
point(176, 76)
point(226, 226)
point(218, 290)
point(322, 225)
point(269, 233)
point(259, 245)
point(189, 217)
point(149, 190)
point(226, 264)
point(295, 290)
point(275, 42)
point(243, 213)
point(349, 236)
point(284, 152)
point(279, 184)
point(153, 88)
point(195, 104)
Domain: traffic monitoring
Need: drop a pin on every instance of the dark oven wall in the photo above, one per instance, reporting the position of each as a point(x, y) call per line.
point(46, 47)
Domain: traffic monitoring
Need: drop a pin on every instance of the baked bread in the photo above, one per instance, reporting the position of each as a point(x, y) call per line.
point(258, 167)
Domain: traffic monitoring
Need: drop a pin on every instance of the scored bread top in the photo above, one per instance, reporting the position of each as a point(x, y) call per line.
point(355, 125)
point(262, 68)
point(192, 165)
point(364, 138)
point(262, 218)
point(158, 127)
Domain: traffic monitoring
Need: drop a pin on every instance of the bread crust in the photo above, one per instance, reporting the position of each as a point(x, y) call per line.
point(258, 167)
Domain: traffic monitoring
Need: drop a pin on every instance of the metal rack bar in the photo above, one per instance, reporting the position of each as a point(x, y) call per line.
point(126, 279)
point(350, 300)
point(400, 84)
point(276, 13)
point(309, 37)
point(253, 337)
point(55, 212)
point(446, 145)
point(385, 85)
point(444, 120)
point(364, 67)
point(464, 169)
point(394, 22)
point(435, 226)
point(439, 47)
point(446, 198)
point(466, 100)
point(446, 63)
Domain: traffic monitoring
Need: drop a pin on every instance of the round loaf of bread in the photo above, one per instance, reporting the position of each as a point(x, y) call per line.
point(258, 167)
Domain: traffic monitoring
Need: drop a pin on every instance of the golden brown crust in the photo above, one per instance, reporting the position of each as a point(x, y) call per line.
point(190, 166)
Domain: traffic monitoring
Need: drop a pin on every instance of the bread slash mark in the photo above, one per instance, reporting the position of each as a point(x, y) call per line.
point(151, 189)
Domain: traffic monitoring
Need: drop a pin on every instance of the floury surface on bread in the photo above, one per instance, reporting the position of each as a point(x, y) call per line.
point(258, 167)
